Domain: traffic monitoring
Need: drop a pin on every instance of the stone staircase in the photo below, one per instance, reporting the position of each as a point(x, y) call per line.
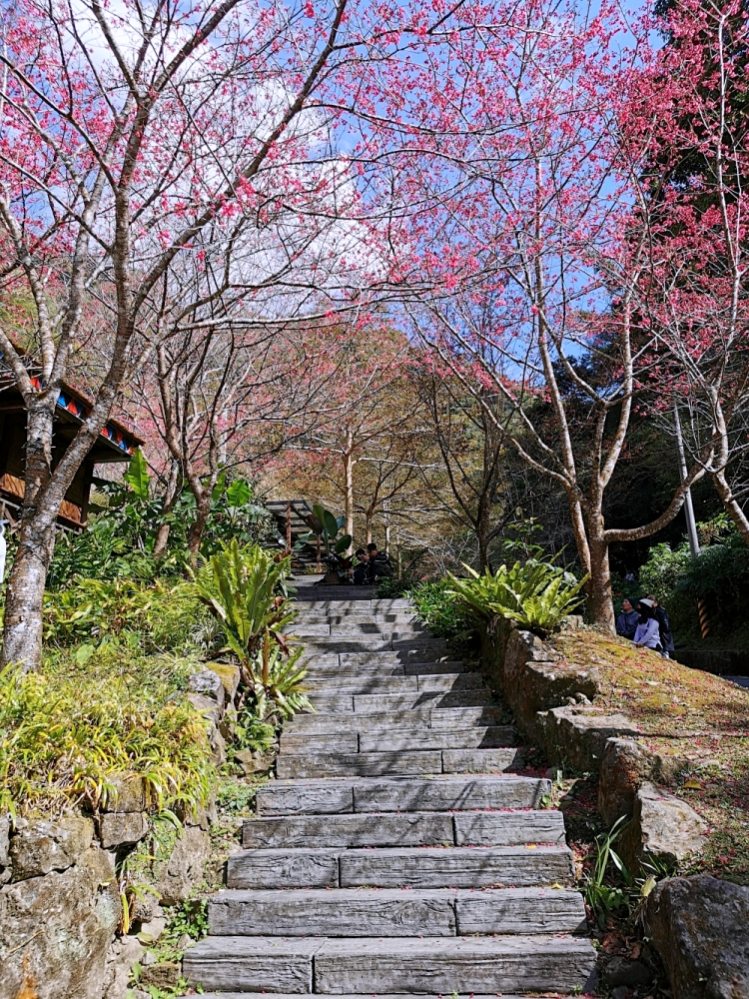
point(396, 853)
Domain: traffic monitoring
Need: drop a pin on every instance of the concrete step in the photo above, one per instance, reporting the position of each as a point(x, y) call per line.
point(401, 867)
point(397, 739)
point(332, 618)
point(387, 912)
point(467, 698)
point(334, 683)
point(370, 605)
point(377, 703)
point(380, 664)
point(357, 629)
point(317, 995)
point(411, 646)
point(363, 764)
point(399, 762)
point(400, 794)
point(481, 761)
point(347, 721)
point(404, 965)
point(261, 964)
point(375, 829)
point(331, 684)
point(349, 830)
point(419, 717)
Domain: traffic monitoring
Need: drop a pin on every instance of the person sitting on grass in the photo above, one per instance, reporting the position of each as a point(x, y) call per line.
point(379, 565)
point(647, 633)
point(664, 625)
point(627, 620)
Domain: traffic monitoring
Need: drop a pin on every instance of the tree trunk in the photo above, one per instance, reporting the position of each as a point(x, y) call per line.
point(197, 528)
point(483, 532)
point(22, 632)
point(348, 468)
point(600, 596)
point(22, 636)
point(170, 501)
point(732, 505)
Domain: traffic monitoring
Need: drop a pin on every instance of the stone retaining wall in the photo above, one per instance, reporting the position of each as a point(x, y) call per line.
point(554, 702)
point(60, 905)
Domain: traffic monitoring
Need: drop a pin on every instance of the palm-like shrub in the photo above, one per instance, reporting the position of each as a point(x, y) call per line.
point(535, 595)
point(279, 693)
point(243, 587)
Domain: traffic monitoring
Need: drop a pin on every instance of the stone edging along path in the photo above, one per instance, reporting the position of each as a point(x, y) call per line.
point(396, 853)
point(691, 921)
point(60, 904)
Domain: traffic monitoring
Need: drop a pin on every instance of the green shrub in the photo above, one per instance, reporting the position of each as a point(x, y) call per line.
point(119, 540)
point(719, 575)
point(279, 688)
point(665, 570)
point(391, 587)
point(68, 731)
point(535, 595)
point(158, 617)
point(242, 587)
point(437, 607)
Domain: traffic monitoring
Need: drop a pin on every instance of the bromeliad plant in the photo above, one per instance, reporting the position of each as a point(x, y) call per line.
point(535, 595)
point(244, 589)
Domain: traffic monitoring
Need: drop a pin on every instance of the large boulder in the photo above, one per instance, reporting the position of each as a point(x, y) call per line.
point(624, 767)
point(698, 927)
point(57, 931)
point(663, 826)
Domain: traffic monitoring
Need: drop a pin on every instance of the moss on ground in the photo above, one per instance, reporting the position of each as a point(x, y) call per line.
point(696, 722)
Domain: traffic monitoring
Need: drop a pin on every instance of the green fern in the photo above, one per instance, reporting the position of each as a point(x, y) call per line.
point(535, 595)
point(241, 587)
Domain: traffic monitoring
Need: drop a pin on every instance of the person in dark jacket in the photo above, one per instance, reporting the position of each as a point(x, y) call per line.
point(627, 620)
point(379, 566)
point(361, 569)
point(664, 624)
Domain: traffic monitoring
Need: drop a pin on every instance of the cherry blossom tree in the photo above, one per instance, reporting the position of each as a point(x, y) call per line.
point(128, 131)
point(692, 298)
point(543, 226)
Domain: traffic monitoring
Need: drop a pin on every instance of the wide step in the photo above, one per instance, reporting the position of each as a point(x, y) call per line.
point(400, 794)
point(404, 762)
point(485, 965)
point(406, 829)
point(398, 738)
point(386, 912)
point(422, 716)
point(316, 995)
point(337, 683)
point(421, 867)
